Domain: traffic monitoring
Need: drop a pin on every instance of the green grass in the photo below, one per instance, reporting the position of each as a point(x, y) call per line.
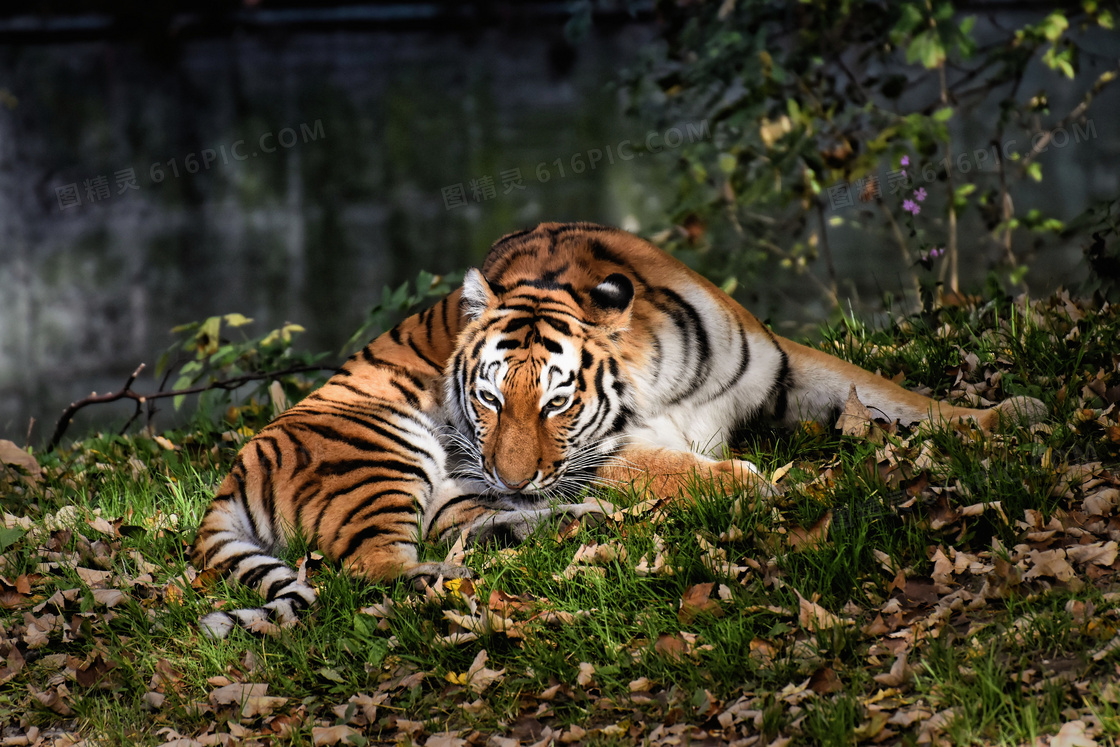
point(1003, 653)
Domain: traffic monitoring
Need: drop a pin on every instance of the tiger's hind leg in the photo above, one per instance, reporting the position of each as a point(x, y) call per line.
point(236, 541)
point(817, 385)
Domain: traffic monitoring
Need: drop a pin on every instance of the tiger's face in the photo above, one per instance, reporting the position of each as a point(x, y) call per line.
point(535, 388)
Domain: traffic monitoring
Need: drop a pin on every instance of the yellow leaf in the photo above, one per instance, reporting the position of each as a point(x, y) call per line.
point(237, 320)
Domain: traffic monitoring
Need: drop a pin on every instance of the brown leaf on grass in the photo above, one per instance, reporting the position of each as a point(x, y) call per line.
point(13, 455)
point(91, 672)
point(812, 616)
point(900, 673)
point(1051, 563)
point(1102, 502)
point(12, 595)
point(99, 524)
point(942, 568)
point(640, 685)
point(586, 674)
point(323, 736)
point(671, 646)
point(697, 601)
point(478, 677)
point(813, 537)
point(237, 693)
point(206, 580)
point(109, 597)
point(14, 665)
point(505, 604)
point(1073, 734)
point(1096, 553)
point(856, 420)
point(763, 652)
point(824, 681)
point(55, 699)
point(261, 705)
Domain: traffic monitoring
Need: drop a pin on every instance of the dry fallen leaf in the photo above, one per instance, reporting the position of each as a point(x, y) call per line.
point(328, 735)
point(900, 673)
point(697, 601)
point(1072, 734)
point(812, 616)
point(1051, 563)
point(17, 457)
point(237, 693)
point(477, 678)
point(856, 420)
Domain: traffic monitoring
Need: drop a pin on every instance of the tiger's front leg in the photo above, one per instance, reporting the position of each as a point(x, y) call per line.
point(668, 473)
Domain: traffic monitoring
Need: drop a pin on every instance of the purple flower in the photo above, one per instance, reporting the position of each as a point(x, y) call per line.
point(911, 207)
point(935, 253)
point(920, 194)
point(905, 160)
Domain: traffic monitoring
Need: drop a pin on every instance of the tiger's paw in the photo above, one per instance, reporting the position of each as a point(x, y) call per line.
point(425, 575)
point(745, 473)
point(1018, 411)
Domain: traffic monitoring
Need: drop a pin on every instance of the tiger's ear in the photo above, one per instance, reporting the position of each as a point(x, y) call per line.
point(477, 294)
point(611, 302)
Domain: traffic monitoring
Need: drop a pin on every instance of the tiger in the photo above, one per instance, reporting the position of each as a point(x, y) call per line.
point(579, 355)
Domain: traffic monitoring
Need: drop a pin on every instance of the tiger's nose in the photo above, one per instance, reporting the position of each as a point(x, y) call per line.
point(515, 486)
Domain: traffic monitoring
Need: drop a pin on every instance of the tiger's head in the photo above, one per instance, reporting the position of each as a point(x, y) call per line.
point(535, 388)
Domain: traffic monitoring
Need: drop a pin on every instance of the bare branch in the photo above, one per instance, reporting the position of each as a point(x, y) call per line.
point(126, 392)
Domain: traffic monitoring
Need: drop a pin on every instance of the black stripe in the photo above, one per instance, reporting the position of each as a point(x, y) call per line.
point(420, 354)
point(270, 591)
point(253, 578)
point(369, 500)
point(443, 316)
point(327, 431)
point(343, 466)
point(408, 395)
point(433, 520)
point(362, 536)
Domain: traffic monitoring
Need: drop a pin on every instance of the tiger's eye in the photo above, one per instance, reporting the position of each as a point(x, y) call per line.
point(487, 397)
point(557, 401)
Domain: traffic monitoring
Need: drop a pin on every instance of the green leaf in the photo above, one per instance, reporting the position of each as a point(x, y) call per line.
point(727, 163)
point(909, 18)
point(944, 114)
point(927, 49)
point(1053, 26)
point(331, 674)
point(9, 536)
point(1034, 171)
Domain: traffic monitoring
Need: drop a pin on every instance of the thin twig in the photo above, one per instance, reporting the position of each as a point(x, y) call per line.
point(141, 399)
point(1105, 78)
